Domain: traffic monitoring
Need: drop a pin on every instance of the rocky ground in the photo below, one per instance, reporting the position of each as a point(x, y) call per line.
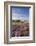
point(20, 30)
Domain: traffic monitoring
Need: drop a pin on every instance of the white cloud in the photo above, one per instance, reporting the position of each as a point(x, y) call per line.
point(16, 16)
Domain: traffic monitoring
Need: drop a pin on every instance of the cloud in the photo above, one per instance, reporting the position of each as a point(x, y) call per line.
point(16, 16)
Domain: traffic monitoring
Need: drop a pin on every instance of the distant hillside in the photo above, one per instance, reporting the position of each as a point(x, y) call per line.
point(20, 21)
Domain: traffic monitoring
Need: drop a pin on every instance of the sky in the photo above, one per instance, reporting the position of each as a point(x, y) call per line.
point(20, 13)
